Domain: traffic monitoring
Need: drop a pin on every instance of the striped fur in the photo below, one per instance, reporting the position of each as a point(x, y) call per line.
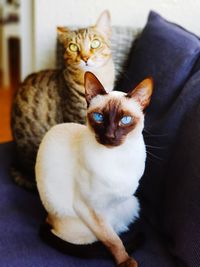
point(50, 97)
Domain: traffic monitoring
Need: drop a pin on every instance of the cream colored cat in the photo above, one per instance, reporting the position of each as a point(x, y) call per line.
point(87, 175)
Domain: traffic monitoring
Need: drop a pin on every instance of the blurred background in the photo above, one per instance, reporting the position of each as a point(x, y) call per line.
point(28, 34)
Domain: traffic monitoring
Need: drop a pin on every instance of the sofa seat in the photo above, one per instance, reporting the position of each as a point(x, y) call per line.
point(21, 215)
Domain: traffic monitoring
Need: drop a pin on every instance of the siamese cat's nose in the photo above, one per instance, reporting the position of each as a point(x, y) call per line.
point(110, 135)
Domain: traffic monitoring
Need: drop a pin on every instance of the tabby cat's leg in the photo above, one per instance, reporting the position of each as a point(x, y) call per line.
point(105, 233)
point(21, 179)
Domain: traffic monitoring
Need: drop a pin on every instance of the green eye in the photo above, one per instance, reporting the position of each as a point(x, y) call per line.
point(73, 47)
point(95, 44)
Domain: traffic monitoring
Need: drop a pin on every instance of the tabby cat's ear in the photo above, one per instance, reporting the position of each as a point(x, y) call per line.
point(93, 87)
point(62, 32)
point(103, 23)
point(142, 93)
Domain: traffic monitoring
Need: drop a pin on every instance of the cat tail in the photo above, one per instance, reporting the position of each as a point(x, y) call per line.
point(22, 179)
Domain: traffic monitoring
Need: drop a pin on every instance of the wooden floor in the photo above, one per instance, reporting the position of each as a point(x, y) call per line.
point(6, 96)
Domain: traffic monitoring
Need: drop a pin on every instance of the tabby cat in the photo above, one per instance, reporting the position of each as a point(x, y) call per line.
point(87, 175)
point(50, 97)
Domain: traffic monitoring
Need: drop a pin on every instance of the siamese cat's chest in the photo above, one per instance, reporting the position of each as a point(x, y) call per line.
point(111, 173)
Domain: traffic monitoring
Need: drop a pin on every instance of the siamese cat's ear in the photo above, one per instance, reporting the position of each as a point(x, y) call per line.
point(142, 93)
point(93, 87)
point(62, 33)
point(103, 23)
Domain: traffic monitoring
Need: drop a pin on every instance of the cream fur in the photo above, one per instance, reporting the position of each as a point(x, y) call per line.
point(101, 69)
point(72, 169)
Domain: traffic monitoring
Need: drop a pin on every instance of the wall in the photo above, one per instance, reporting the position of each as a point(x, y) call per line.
point(50, 13)
point(27, 37)
point(1, 41)
point(7, 31)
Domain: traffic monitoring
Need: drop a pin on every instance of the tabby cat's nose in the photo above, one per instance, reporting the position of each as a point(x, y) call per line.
point(85, 58)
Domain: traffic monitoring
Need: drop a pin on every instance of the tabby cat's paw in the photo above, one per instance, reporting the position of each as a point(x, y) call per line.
point(130, 262)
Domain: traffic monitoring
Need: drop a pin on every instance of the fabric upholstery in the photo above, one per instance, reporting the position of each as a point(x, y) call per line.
point(181, 216)
point(169, 189)
point(167, 53)
point(21, 215)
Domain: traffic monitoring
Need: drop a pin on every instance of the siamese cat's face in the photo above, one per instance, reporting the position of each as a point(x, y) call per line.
point(115, 115)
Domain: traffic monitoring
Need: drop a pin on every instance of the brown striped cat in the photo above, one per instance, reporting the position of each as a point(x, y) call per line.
point(50, 97)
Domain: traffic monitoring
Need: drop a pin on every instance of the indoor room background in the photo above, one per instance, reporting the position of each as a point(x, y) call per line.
point(28, 33)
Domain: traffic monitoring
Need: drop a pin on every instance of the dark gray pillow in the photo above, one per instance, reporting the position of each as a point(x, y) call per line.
point(168, 54)
point(181, 197)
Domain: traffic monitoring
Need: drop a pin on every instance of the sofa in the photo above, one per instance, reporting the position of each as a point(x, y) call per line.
point(169, 191)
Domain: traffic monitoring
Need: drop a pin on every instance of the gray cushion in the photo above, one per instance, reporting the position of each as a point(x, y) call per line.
point(20, 218)
point(169, 189)
point(121, 42)
point(181, 216)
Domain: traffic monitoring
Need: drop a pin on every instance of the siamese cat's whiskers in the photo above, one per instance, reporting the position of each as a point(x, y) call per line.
point(153, 134)
point(156, 135)
point(153, 160)
point(156, 147)
point(154, 156)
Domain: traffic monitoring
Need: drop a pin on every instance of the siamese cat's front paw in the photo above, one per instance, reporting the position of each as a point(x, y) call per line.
point(130, 262)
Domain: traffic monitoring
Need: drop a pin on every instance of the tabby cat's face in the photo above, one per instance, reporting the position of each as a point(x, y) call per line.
point(114, 116)
point(87, 48)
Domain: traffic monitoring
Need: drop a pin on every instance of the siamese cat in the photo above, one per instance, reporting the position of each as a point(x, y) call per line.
point(87, 175)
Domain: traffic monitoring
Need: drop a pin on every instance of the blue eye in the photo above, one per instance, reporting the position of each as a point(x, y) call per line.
point(126, 120)
point(98, 117)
